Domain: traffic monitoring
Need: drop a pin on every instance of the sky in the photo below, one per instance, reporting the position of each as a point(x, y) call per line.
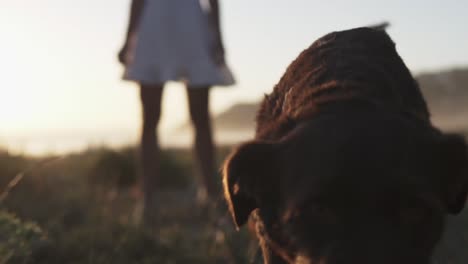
point(59, 78)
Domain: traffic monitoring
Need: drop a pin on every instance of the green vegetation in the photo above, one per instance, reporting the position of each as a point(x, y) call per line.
point(19, 239)
point(81, 208)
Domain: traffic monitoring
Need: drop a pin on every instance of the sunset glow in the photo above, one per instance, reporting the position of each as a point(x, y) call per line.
point(59, 75)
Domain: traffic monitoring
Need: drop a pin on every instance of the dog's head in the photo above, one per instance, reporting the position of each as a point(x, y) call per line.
point(350, 189)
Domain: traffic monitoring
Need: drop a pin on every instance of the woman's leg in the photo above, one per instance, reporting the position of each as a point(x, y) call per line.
point(150, 96)
point(204, 146)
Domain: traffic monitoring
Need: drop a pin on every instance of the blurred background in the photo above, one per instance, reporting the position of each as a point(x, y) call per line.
point(60, 80)
point(68, 123)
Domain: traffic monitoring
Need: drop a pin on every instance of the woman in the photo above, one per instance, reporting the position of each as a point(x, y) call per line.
point(174, 40)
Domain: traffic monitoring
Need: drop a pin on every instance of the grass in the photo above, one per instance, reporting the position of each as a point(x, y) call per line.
point(80, 208)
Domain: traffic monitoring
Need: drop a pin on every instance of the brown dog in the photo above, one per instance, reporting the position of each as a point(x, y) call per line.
point(346, 166)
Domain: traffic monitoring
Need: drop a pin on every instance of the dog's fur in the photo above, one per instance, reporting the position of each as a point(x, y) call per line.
point(346, 166)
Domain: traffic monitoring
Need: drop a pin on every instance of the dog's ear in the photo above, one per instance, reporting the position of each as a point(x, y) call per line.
point(453, 159)
point(249, 175)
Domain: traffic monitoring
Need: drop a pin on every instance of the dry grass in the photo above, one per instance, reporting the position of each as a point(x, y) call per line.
point(84, 203)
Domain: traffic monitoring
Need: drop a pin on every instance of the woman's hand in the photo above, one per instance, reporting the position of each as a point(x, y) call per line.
point(218, 47)
point(218, 51)
point(136, 11)
point(122, 55)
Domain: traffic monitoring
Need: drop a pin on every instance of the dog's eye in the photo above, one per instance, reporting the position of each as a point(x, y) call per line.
point(311, 211)
point(320, 213)
point(291, 215)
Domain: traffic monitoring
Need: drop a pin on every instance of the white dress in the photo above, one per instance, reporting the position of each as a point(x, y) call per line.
point(174, 43)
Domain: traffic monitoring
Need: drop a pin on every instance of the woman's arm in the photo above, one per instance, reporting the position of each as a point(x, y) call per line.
point(136, 10)
point(215, 22)
point(215, 17)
